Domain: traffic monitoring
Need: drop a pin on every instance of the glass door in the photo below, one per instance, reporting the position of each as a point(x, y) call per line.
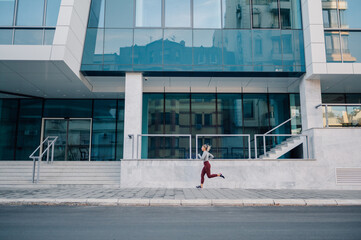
point(74, 138)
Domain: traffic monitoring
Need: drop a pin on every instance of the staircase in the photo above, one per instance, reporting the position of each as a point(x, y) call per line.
point(58, 173)
point(283, 148)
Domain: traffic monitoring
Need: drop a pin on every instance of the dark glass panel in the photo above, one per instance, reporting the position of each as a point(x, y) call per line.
point(237, 47)
point(353, 98)
point(148, 13)
point(29, 128)
point(350, 13)
point(28, 37)
point(52, 12)
point(6, 36)
point(120, 130)
point(265, 14)
point(103, 131)
point(333, 98)
point(293, 48)
point(68, 108)
point(207, 14)
point(207, 47)
point(351, 49)
point(59, 128)
point(255, 117)
point(178, 47)
point(7, 12)
point(152, 123)
point(267, 49)
point(119, 13)
point(96, 15)
point(236, 13)
point(118, 46)
point(177, 13)
point(333, 46)
point(148, 46)
point(49, 36)
point(291, 14)
point(78, 139)
point(295, 109)
point(8, 119)
point(93, 47)
point(30, 13)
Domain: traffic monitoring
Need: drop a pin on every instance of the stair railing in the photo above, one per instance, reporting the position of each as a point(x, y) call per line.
point(50, 140)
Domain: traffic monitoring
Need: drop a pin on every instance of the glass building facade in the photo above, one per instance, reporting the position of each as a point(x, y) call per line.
point(194, 36)
point(342, 30)
point(24, 22)
point(211, 113)
point(87, 129)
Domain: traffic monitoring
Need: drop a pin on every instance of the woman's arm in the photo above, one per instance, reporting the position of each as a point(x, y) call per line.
point(211, 156)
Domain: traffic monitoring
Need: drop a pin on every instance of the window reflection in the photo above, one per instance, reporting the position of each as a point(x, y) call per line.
point(119, 13)
point(118, 46)
point(52, 11)
point(6, 36)
point(178, 47)
point(177, 13)
point(94, 46)
point(207, 47)
point(8, 116)
point(30, 13)
point(28, 37)
point(333, 47)
point(96, 15)
point(265, 14)
point(236, 47)
point(290, 14)
point(206, 14)
point(7, 12)
point(148, 46)
point(236, 13)
point(148, 13)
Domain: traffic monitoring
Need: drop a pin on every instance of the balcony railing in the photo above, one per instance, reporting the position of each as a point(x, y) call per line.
point(341, 115)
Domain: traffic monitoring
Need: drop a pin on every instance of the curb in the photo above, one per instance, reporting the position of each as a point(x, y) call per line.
point(185, 202)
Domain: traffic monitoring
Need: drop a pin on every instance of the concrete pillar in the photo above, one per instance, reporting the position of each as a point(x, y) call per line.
point(132, 112)
point(310, 97)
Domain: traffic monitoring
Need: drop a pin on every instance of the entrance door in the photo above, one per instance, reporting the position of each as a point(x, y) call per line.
point(74, 138)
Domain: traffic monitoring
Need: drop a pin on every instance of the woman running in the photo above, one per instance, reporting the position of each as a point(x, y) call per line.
point(207, 166)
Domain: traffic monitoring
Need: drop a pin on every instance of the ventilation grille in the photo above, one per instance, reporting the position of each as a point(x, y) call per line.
point(348, 176)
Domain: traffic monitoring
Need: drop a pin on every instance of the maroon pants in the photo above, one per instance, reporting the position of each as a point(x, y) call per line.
point(207, 169)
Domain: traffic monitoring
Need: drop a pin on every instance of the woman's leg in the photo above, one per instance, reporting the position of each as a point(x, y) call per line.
point(207, 167)
point(202, 175)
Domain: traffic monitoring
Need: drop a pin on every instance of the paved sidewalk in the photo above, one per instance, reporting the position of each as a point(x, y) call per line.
point(97, 195)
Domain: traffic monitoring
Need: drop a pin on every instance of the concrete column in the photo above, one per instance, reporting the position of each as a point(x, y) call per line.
point(310, 97)
point(132, 112)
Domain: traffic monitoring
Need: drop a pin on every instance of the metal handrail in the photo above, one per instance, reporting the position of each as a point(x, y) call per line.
point(50, 140)
point(166, 135)
point(335, 104)
point(280, 135)
point(225, 135)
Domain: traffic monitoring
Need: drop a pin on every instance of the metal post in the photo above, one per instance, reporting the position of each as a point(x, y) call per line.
point(190, 147)
point(47, 153)
point(137, 144)
point(249, 146)
point(52, 152)
point(326, 113)
point(264, 145)
point(255, 146)
point(38, 175)
point(196, 146)
point(34, 169)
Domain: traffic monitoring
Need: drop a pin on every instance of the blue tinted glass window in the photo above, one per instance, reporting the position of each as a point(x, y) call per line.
point(119, 13)
point(52, 12)
point(207, 14)
point(351, 48)
point(148, 46)
point(96, 15)
point(291, 14)
point(7, 12)
point(104, 129)
point(148, 13)
point(267, 49)
point(68, 108)
point(49, 36)
point(93, 47)
point(178, 46)
point(265, 14)
point(120, 129)
point(30, 13)
point(207, 47)
point(177, 13)
point(28, 37)
point(350, 13)
point(8, 117)
point(29, 127)
point(237, 47)
point(333, 46)
point(118, 46)
point(6, 36)
point(236, 13)
point(292, 48)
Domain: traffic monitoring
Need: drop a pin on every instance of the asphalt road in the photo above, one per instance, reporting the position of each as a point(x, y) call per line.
point(102, 223)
